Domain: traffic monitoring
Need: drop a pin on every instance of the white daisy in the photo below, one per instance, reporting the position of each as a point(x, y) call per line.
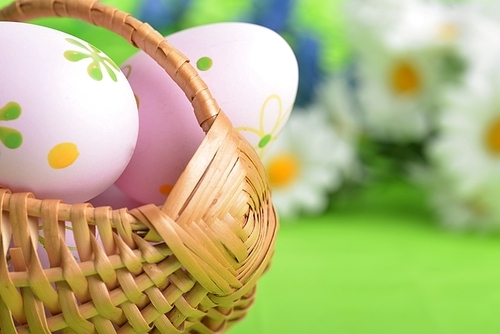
point(401, 59)
point(399, 94)
point(368, 20)
point(337, 97)
point(403, 24)
point(453, 210)
point(306, 163)
point(466, 154)
point(479, 45)
point(424, 25)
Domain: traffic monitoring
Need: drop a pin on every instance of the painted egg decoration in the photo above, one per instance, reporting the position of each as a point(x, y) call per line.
point(68, 116)
point(251, 71)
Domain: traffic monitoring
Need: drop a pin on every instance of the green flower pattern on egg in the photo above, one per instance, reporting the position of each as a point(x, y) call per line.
point(10, 137)
point(97, 59)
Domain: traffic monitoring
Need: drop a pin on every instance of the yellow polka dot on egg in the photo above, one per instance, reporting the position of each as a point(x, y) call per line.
point(63, 155)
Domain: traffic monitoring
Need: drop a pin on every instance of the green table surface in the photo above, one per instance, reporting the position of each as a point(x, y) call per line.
point(378, 262)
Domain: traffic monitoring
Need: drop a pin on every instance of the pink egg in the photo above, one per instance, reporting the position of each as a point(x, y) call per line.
point(250, 70)
point(114, 198)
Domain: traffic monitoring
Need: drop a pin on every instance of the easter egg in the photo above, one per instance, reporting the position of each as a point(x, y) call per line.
point(68, 116)
point(251, 71)
point(114, 198)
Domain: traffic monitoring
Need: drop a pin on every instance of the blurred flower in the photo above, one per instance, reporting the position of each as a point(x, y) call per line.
point(453, 210)
point(397, 94)
point(479, 45)
point(463, 176)
point(163, 15)
point(307, 49)
point(403, 25)
point(401, 48)
point(273, 14)
point(466, 153)
point(336, 96)
point(306, 163)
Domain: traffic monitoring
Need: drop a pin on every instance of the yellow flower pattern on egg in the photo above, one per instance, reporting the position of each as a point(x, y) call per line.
point(266, 136)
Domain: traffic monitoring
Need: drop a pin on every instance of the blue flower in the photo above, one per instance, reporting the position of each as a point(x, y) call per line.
point(163, 14)
point(307, 50)
point(273, 14)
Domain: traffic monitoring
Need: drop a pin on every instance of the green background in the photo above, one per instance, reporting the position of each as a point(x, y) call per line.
point(376, 262)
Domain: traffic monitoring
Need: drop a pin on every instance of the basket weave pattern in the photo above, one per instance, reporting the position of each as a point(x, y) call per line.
point(188, 266)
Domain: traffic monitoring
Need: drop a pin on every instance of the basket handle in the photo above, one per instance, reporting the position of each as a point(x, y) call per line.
point(137, 33)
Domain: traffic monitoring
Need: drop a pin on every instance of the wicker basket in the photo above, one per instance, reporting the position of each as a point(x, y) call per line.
point(188, 266)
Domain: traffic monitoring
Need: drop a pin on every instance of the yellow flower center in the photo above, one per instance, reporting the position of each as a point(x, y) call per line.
point(448, 32)
point(492, 138)
point(283, 170)
point(477, 207)
point(405, 78)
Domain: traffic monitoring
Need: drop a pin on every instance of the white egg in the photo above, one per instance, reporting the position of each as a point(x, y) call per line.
point(68, 116)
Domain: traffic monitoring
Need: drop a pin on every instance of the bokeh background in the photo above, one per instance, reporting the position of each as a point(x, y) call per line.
point(387, 175)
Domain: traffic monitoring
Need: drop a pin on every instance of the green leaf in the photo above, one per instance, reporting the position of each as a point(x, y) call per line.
point(75, 55)
point(10, 111)
point(78, 43)
point(111, 73)
point(111, 62)
point(94, 49)
point(265, 140)
point(94, 70)
point(11, 138)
